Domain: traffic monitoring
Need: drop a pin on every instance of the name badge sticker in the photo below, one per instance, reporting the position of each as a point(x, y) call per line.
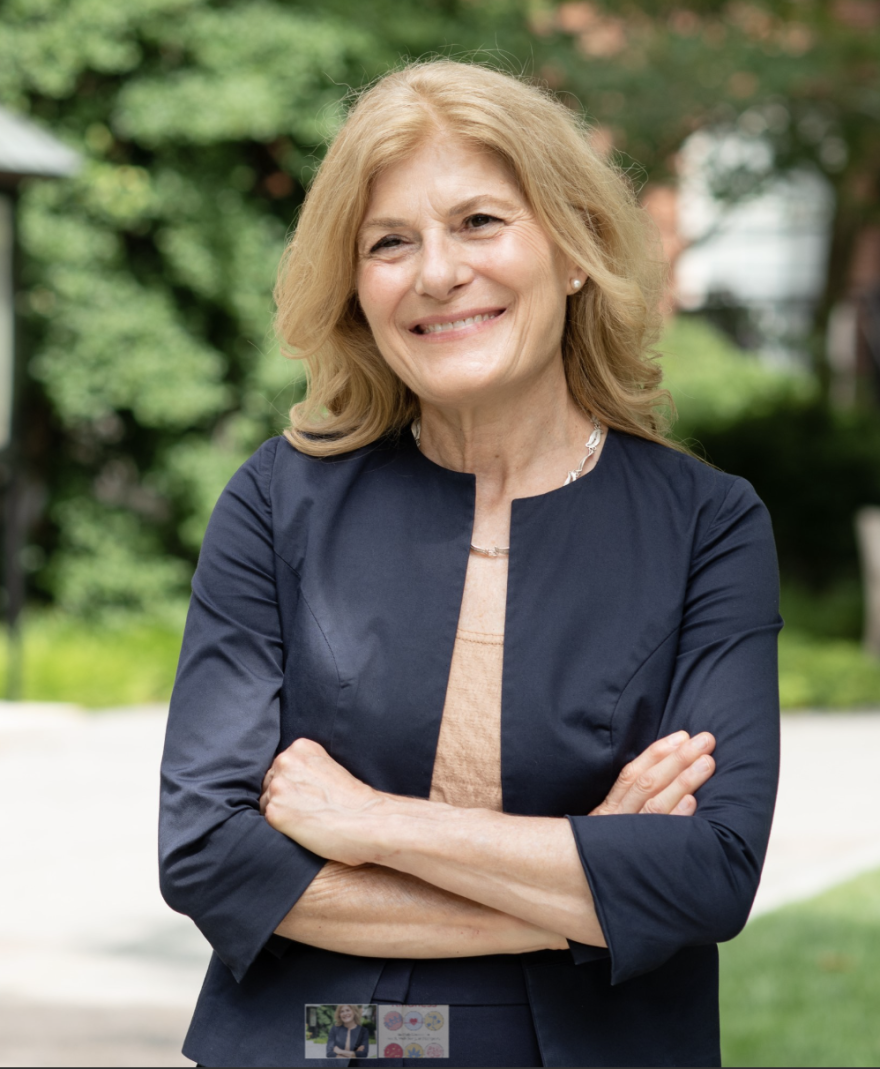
point(412, 1031)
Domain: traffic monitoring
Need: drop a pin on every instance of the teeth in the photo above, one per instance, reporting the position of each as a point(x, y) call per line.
point(438, 328)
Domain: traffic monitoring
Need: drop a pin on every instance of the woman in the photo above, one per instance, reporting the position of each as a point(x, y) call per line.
point(348, 1038)
point(479, 621)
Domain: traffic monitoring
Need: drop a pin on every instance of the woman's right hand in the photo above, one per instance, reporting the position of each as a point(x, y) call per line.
point(664, 778)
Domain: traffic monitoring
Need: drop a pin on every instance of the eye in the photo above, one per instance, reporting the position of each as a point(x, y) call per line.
point(389, 242)
point(480, 221)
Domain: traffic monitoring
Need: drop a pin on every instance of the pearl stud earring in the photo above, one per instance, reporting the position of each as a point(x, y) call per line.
point(576, 282)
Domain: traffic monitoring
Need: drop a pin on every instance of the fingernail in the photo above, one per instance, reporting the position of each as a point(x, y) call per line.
point(703, 764)
point(678, 736)
point(703, 741)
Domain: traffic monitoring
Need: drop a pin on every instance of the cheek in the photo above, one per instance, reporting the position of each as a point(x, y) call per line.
point(526, 266)
point(380, 289)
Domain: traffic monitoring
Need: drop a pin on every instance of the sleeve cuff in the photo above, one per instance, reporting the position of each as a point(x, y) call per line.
point(583, 954)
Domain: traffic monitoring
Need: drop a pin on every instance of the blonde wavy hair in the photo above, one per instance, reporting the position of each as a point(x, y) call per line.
point(356, 1010)
point(584, 203)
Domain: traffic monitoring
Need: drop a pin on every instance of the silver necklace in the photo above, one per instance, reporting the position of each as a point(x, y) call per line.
point(591, 446)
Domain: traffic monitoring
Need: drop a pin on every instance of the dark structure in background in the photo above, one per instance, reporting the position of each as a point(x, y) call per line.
point(854, 326)
point(25, 152)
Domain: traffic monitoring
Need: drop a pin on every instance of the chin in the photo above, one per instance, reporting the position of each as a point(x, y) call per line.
point(460, 386)
point(460, 394)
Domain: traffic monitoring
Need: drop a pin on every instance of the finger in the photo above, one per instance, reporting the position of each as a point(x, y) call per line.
point(686, 807)
point(305, 748)
point(646, 760)
point(656, 779)
point(685, 784)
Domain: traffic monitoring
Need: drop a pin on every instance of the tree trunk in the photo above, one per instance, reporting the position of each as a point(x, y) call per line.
point(868, 531)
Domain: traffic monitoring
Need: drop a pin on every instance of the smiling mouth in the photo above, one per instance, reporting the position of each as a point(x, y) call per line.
point(456, 324)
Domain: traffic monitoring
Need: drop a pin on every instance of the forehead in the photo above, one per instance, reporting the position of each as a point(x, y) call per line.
point(440, 173)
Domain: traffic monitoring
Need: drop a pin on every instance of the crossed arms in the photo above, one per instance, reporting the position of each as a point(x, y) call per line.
point(656, 877)
point(465, 881)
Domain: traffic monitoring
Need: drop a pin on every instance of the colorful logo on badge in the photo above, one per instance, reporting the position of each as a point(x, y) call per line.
point(414, 1050)
point(434, 1020)
point(393, 1050)
point(393, 1020)
point(413, 1020)
point(435, 1050)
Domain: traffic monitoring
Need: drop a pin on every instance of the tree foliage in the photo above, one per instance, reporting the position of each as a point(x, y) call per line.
point(147, 297)
point(147, 284)
point(717, 386)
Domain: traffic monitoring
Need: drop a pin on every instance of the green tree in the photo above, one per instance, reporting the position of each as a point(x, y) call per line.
point(801, 75)
point(148, 276)
point(148, 280)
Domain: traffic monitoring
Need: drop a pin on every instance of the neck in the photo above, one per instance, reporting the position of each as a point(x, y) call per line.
point(516, 446)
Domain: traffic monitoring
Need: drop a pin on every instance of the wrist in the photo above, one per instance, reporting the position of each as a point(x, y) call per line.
point(398, 822)
point(381, 833)
point(405, 833)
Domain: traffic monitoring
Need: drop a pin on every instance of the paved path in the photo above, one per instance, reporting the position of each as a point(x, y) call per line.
point(95, 970)
point(827, 823)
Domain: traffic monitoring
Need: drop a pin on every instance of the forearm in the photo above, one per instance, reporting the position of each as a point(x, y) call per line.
point(372, 911)
point(525, 867)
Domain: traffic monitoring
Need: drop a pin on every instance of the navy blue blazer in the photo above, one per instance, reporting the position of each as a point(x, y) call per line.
point(642, 599)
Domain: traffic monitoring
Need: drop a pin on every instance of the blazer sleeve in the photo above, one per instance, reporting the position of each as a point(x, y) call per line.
point(220, 862)
point(661, 883)
point(331, 1041)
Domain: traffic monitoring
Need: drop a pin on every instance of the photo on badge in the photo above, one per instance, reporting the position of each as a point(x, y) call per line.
point(343, 1030)
point(413, 1031)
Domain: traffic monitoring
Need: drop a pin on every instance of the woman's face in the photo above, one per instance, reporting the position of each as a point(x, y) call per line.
point(462, 288)
point(346, 1014)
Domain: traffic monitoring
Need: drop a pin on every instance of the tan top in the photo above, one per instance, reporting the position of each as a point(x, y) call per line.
point(467, 768)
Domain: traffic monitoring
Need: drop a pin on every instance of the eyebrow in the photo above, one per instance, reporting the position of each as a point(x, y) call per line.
point(457, 209)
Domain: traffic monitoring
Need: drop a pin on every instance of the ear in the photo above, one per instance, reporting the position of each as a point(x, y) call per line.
point(576, 277)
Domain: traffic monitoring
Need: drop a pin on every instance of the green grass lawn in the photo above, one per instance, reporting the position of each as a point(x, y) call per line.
point(801, 986)
point(67, 660)
point(825, 673)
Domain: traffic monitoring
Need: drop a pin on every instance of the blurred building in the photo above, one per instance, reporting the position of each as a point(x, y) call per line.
point(25, 152)
point(756, 265)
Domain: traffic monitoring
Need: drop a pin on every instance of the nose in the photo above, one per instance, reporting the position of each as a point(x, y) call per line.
point(442, 266)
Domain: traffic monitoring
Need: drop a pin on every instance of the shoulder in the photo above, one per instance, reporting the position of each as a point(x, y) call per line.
point(666, 479)
point(714, 524)
point(277, 466)
point(284, 461)
point(256, 472)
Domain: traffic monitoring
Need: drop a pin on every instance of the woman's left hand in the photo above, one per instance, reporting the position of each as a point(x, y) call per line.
point(311, 798)
point(664, 778)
